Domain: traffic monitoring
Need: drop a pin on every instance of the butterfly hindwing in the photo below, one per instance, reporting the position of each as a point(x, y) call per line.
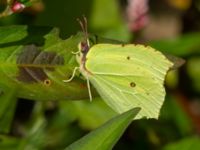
point(122, 94)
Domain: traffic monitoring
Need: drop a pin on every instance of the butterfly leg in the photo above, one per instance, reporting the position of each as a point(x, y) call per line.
point(75, 53)
point(89, 89)
point(73, 75)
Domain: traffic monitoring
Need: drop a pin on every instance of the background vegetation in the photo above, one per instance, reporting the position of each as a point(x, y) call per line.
point(172, 26)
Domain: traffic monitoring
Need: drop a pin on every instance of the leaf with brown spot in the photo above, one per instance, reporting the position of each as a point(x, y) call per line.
point(36, 63)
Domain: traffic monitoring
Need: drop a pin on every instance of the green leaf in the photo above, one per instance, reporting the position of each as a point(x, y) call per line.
point(184, 45)
point(172, 111)
point(8, 102)
point(66, 21)
point(114, 27)
point(35, 135)
point(104, 137)
point(37, 70)
point(90, 115)
point(9, 143)
point(190, 143)
point(193, 70)
point(22, 35)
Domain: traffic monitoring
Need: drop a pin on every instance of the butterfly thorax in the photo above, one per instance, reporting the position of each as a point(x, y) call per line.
point(84, 49)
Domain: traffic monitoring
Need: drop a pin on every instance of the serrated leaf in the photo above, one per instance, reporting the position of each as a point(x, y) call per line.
point(35, 70)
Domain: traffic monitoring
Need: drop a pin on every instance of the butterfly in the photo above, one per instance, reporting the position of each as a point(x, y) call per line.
point(125, 75)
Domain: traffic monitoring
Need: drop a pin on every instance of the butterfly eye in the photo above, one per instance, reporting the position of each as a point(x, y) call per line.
point(47, 82)
point(132, 84)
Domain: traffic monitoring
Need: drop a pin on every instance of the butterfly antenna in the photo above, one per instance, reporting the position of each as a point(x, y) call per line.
point(84, 25)
point(86, 30)
point(89, 89)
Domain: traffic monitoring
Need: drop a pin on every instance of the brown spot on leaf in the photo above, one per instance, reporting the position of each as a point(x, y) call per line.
point(31, 74)
point(47, 82)
point(33, 64)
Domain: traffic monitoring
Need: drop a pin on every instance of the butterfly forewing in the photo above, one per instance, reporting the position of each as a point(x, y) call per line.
point(126, 60)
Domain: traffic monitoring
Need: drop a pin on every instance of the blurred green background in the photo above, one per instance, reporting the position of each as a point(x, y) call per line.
point(171, 26)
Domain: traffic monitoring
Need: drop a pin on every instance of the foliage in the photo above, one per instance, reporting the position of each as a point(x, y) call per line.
point(30, 118)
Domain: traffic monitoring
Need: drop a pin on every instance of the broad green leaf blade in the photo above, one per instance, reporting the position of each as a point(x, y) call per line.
point(104, 137)
point(128, 76)
point(190, 143)
point(7, 109)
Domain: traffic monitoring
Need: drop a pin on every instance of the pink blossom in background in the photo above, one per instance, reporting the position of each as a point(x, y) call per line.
point(137, 14)
point(17, 6)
